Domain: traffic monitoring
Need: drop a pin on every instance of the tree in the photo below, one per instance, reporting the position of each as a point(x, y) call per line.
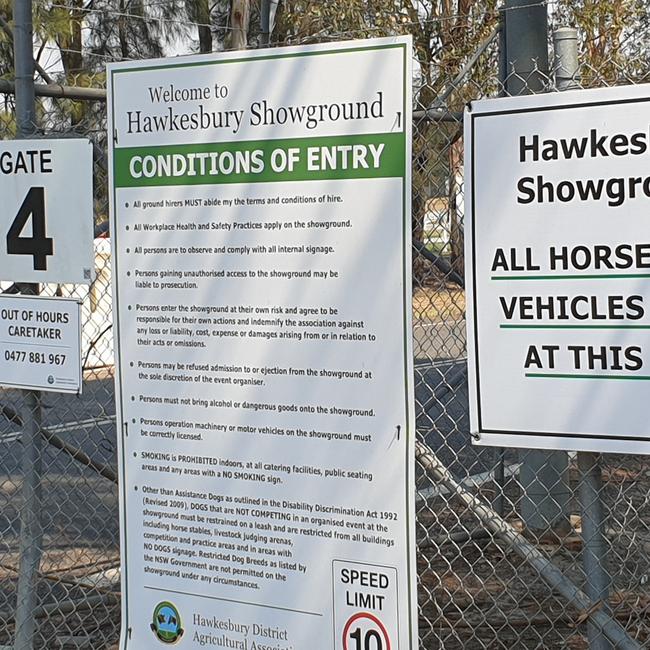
point(198, 11)
point(240, 23)
point(445, 34)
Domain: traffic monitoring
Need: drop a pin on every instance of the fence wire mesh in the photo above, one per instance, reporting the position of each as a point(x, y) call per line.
point(475, 589)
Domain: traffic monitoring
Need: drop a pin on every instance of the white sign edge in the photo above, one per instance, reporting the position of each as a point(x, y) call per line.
point(550, 441)
point(91, 175)
point(122, 426)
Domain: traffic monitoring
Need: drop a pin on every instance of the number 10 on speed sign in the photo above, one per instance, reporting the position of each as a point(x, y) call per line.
point(46, 215)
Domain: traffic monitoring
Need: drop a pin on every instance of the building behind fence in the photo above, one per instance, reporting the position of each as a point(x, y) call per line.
point(485, 568)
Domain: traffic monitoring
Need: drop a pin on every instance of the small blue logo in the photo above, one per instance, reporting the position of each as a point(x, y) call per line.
point(166, 624)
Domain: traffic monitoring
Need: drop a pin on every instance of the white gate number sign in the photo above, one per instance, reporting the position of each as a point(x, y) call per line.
point(46, 218)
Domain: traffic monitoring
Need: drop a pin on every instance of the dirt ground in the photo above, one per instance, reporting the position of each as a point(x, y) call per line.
point(477, 593)
point(434, 304)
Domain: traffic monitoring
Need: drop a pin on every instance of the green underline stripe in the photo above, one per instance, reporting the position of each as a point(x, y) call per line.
point(508, 326)
point(574, 276)
point(552, 375)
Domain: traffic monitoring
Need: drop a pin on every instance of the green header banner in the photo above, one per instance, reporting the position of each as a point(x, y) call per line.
point(301, 159)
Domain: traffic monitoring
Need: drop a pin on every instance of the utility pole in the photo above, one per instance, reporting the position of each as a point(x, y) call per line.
point(24, 66)
point(594, 544)
point(31, 533)
point(543, 474)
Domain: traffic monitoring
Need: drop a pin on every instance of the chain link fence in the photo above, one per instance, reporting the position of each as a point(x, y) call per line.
point(483, 583)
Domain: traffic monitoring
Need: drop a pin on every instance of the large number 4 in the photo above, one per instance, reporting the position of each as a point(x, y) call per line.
point(39, 246)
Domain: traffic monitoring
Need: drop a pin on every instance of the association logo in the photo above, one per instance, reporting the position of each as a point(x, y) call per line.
point(166, 624)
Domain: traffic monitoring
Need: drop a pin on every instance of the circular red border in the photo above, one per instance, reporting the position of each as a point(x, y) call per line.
point(374, 619)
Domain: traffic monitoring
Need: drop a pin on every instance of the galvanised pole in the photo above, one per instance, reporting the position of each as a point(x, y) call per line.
point(543, 474)
point(594, 547)
point(31, 533)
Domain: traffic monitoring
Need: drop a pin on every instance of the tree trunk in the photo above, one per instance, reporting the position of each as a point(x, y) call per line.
point(457, 232)
point(203, 20)
point(239, 21)
point(70, 45)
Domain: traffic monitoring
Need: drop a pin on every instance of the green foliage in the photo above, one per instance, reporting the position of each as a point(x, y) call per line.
point(7, 124)
point(446, 33)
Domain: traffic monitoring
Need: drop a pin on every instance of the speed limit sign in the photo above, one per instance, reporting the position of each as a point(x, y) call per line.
point(365, 631)
point(46, 213)
point(366, 607)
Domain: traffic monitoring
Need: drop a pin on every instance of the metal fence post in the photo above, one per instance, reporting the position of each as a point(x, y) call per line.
point(30, 513)
point(594, 549)
point(30, 523)
point(543, 474)
point(24, 66)
point(565, 50)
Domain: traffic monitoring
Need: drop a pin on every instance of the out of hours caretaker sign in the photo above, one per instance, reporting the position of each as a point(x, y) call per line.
point(39, 343)
point(261, 237)
point(558, 270)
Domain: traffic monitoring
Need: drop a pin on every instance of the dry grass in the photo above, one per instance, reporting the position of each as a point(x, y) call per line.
point(437, 305)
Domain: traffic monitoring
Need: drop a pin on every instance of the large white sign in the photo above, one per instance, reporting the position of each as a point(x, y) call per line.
point(558, 262)
point(40, 343)
point(261, 236)
point(46, 218)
